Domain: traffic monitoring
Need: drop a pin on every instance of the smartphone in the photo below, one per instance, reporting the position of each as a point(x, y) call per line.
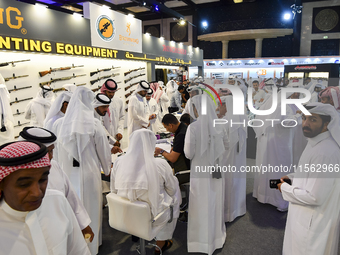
point(274, 182)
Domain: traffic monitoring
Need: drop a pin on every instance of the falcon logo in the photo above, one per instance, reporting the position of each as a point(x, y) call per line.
point(105, 28)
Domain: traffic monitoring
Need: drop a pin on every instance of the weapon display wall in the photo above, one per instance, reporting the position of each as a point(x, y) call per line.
point(77, 74)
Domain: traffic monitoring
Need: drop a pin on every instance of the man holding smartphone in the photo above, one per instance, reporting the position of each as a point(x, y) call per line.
point(314, 209)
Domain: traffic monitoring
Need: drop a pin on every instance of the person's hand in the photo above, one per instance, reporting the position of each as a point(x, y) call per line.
point(115, 149)
point(119, 136)
point(88, 230)
point(117, 143)
point(282, 181)
point(157, 151)
point(152, 116)
point(261, 100)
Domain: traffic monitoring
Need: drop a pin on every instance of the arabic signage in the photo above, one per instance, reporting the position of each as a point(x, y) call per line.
point(300, 62)
point(44, 46)
point(21, 19)
point(113, 30)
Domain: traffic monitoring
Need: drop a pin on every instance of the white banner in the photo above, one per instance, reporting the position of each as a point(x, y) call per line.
point(113, 30)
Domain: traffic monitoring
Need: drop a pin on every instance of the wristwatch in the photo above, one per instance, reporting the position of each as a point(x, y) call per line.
point(161, 152)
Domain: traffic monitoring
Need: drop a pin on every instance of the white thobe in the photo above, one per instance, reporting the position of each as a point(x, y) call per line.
point(169, 194)
point(36, 112)
point(155, 124)
point(114, 122)
point(274, 148)
point(235, 183)
point(49, 230)
point(138, 113)
point(51, 121)
point(58, 180)
point(206, 228)
point(314, 209)
point(86, 179)
point(314, 98)
point(164, 103)
point(8, 135)
point(259, 94)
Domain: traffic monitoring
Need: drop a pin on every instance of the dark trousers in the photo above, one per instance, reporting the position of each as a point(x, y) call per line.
point(173, 109)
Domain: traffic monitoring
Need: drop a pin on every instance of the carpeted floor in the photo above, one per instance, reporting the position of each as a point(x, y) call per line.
point(259, 232)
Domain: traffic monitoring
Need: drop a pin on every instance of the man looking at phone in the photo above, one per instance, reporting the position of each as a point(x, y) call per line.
point(314, 209)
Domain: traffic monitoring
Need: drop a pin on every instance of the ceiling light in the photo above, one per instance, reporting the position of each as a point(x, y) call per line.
point(287, 16)
point(204, 24)
point(106, 7)
point(238, 1)
point(144, 3)
point(77, 15)
point(147, 34)
point(131, 15)
point(42, 6)
point(181, 22)
point(161, 38)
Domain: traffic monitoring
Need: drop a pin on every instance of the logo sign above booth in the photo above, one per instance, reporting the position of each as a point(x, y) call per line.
point(29, 21)
point(113, 30)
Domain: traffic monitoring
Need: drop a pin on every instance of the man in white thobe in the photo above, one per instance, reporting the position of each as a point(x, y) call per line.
point(83, 151)
point(331, 95)
point(176, 100)
point(114, 120)
point(138, 110)
point(57, 109)
point(171, 88)
point(101, 104)
point(162, 101)
point(137, 175)
point(37, 109)
point(155, 125)
point(6, 117)
point(204, 146)
point(315, 89)
point(274, 148)
point(57, 179)
point(34, 221)
point(258, 94)
point(235, 142)
point(314, 210)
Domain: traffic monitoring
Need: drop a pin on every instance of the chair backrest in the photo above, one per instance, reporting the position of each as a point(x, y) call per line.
point(131, 217)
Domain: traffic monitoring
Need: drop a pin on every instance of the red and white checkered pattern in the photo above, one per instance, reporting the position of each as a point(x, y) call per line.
point(19, 149)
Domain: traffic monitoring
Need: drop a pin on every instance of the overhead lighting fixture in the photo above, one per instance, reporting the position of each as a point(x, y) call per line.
point(106, 7)
point(77, 15)
point(287, 16)
point(204, 24)
point(172, 42)
point(144, 3)
point(181, 43)
point(148, 34)
point(181, 22)
point(161, 38)
point(156, 8)
point(42, 6)
point(238, 1)
point(131, 15)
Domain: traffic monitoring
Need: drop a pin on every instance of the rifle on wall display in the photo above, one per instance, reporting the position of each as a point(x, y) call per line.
point(13, 62)
point(15, 77)
point(104, 77)
point(133, 70)
point(18, 113)
point(61, 89)
point(16, 89)
point(129, 94)
point(103, 70)
point(61, 79)
point(21, 100)
point(43, 73)
point(131, 85)
point(129, 79)
point(19, 124)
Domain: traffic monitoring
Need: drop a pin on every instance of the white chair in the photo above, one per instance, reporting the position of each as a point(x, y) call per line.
point(135, 219)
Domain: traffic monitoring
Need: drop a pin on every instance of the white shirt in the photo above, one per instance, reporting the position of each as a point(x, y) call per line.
point(52, 229)
point(50, 123)
point(176, 100)
point(313, 216)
